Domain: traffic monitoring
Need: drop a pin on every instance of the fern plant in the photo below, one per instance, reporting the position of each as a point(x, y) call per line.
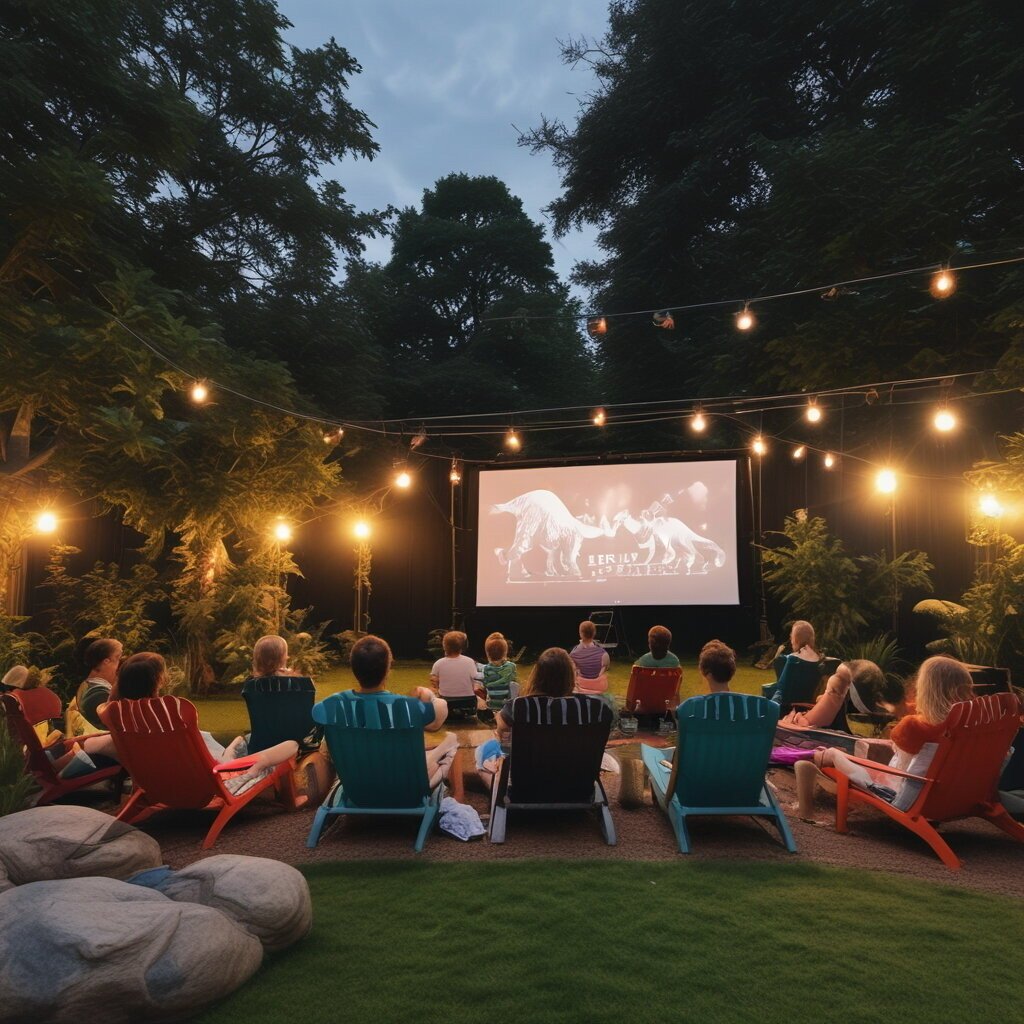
point(16, 784)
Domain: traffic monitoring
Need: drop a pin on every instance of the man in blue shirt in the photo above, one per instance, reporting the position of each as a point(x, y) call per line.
point(371, 665)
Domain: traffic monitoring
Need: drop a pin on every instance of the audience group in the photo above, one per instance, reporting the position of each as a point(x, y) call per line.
point(490, 687)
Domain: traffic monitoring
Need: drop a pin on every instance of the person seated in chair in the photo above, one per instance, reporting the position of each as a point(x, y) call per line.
point(591, 661)
point(456, 674)
point(371, 660)
point(866, 678)
point(145, 675)
point(659, 639)
point(270, 657)
point(101, 658)
point(553, 676)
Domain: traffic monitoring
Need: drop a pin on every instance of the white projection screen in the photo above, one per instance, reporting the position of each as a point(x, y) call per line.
point(598, 536)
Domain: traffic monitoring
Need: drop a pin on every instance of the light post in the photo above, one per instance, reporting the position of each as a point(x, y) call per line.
point(885, 483)
point(361, 616)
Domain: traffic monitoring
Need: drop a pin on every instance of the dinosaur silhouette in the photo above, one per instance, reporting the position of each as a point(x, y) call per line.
point(675, 539)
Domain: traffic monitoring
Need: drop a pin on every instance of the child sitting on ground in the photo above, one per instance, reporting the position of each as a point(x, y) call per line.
point(455, 675)
point(591, 661)
point(499, 674)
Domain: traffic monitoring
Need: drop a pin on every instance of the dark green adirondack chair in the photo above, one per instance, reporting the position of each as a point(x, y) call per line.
point(378, 753)
point(722, 754)
point(797, 683)
point(281, 708)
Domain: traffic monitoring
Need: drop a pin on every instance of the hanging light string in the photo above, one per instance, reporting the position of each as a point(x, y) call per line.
point(746, 301)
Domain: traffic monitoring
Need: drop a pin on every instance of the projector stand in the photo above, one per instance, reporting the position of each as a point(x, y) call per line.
point(607, 636)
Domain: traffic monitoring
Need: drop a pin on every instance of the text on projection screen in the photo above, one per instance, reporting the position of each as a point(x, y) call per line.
point(656, 533)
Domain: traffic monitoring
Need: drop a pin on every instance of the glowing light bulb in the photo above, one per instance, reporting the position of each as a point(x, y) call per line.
point(283, 532)
point(943, 283)
point(813, 413)
point(454, 475)
point(989, 505)
point(361, 529)
point(403, 480)
point(799, 452)
point(512, 441)
point(830, 460)
point(599, 418)
point(745, 319)
point(885, 481)
point(46, 522)
point(200, 392)
point(334, 436)
point(944, 420)
point(759, 447)
point(597, 325)
point(698, 423)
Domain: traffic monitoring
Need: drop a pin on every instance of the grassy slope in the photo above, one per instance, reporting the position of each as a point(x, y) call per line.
point(226, 714)
point(639, 942)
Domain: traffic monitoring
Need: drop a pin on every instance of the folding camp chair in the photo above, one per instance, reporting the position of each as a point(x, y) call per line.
point(281, 708)
point(158, 741)
point(721, 757)
point(555, 760)
point(25, 709)
point(653, 691)
point(961, 780)
point(379, 756)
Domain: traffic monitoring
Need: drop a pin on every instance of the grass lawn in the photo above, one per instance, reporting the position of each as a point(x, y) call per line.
point(225, 715)
point(639, 942)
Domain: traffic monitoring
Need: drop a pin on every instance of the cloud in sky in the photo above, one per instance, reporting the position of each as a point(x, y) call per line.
point(445, 82)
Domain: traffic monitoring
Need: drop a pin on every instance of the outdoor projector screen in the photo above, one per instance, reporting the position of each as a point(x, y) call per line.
point(642, 534)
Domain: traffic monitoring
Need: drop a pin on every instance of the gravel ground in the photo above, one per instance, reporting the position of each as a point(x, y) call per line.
point(992, 861)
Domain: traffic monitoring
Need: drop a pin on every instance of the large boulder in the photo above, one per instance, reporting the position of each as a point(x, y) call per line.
point(99, 949)
point(71, 842)
point(270, 900)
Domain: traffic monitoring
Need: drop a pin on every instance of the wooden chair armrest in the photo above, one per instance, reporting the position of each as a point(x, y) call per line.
point(879, 767)
point(239, 764)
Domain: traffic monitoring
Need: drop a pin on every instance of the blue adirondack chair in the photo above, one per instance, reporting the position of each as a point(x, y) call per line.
point(722, 753)
point(378, 753)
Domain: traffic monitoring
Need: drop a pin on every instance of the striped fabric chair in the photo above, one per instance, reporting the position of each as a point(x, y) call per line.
point(378, 753)
point(555, 760)
point(724, 743)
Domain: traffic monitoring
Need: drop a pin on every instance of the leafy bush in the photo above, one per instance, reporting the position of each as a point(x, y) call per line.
point(15, 783)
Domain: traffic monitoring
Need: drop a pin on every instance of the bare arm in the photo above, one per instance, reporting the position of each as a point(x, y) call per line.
point(440, 707)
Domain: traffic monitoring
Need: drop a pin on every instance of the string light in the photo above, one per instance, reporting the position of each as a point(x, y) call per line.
point(596, 326)
point(200, 392)
point(664, 320)
point(830, 460)
point(813, 413)
point(282, 531)
point(698, 423)
point(759, 447)
point(512, 441)
point(46, 522)
point(885, 481)
point(943, 283)
point(403, 480)
point(745, 319)
point(990, 506)
point(334, 436)
point(944, 420)
point(455, 474)
point(361, 529)
point(798, 452)
point(599, 417)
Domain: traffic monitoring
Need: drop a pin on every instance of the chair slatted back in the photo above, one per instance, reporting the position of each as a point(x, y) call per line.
point(651, 690)
point(798, 682)
point(970, 756)
point(725, 741)
point(280, 708)
point(377, 749)
point(158, 742)
point(557, 746)
point(23, 710)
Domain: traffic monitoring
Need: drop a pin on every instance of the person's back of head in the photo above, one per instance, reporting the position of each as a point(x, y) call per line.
point(454, 643)
point(801, 635)
point(496, 648)
point(868, 680)
point(554, 675)
point(587, 630)
point(100, 651)
point(659, 639)
point(139, 676)
point(941, 682)
point(371, 660)
point(269, 655)
point(717, 662)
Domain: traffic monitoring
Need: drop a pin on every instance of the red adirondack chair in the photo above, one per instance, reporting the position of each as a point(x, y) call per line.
point(651, 690)
point(25, 709)
point(962, 779)
point(158, 741)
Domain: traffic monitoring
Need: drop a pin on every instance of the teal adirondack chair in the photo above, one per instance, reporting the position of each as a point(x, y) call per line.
point(724, 744)
point(378, 754)
point(797, 683)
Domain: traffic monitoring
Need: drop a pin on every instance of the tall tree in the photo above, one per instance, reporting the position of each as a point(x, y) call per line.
point(736, 148)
